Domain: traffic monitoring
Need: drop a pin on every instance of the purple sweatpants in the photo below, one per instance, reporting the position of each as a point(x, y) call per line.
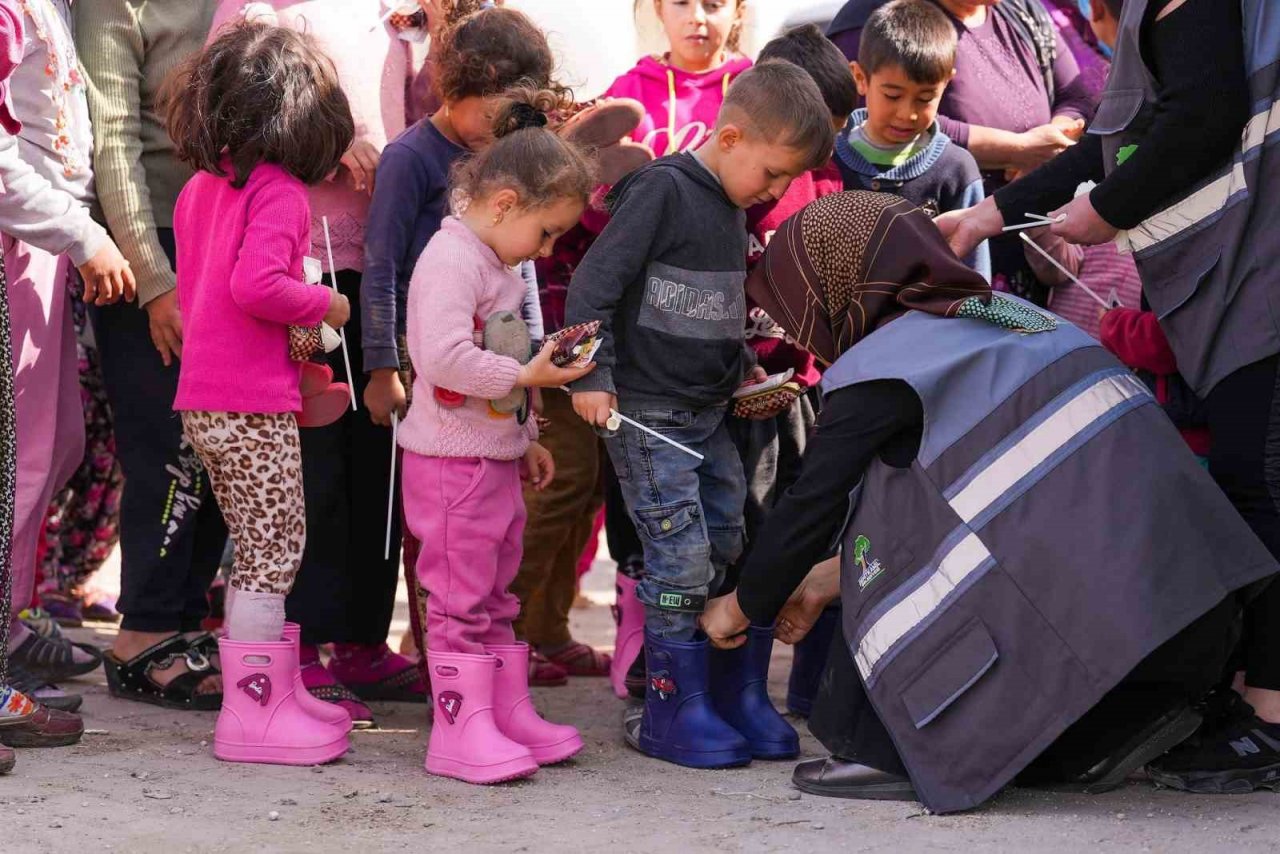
point(469, 515)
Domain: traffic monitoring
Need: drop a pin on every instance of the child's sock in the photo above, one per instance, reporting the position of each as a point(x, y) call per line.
point(256, 617)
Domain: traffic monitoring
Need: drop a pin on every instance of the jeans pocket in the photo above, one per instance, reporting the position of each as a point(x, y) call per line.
point(663, 420)
point(666, 521)
point(466, 473)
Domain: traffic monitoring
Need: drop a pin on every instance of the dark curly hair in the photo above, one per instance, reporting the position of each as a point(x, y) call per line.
point(491, 51)
point(526, 156)
point(259, 94)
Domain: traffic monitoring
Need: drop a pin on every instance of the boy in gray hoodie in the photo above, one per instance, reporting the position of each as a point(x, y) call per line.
point(665, 278)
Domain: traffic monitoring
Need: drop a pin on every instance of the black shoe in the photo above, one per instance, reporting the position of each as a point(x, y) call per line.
point(1237, 755)
point(835, 778)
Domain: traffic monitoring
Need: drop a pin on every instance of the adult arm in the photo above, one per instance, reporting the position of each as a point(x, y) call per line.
point(855, 424)
point(1072, 98)
point(393, 215)
point(613, 262)
point(262, 283)
point(112, 52)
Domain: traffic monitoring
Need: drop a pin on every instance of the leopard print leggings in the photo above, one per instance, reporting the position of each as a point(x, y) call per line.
point(255, 466)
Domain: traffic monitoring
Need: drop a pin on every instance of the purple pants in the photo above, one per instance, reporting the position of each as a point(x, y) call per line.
point(469, 515)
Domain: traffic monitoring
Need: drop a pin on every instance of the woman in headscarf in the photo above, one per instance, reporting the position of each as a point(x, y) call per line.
point(1036, 576)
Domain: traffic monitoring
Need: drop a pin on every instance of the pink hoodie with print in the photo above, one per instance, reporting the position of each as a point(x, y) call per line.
point(686, 119)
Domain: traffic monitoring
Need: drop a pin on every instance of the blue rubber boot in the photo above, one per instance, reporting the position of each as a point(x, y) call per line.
point(810, 659)
point(680, 723)
point(740, 692)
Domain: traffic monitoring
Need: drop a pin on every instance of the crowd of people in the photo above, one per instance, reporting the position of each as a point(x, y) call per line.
point(939, 344)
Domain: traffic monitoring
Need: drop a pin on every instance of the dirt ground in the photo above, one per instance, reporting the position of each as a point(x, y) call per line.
point(144, 780)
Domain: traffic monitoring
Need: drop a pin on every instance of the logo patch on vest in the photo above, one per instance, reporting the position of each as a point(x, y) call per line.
point(257, 686)
point(450, 703)
point(870, 571)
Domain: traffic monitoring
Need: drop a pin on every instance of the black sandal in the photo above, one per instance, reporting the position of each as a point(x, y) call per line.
point(131, 680)
point(50, 660)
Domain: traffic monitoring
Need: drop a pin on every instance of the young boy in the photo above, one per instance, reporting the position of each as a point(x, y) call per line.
point(906, 58)
point(666, 277)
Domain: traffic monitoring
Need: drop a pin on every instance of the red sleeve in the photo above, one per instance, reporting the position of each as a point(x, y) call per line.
point(1135, 337)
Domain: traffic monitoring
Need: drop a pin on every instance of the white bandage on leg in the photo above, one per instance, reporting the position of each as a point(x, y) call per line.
point(256, 617)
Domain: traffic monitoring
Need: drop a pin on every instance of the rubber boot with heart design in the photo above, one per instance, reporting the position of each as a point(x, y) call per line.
point(262, 718)
point(465, 742)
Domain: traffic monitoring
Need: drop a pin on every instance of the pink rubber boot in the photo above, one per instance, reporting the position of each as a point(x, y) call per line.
point(628, 615)
point(517, 718)
point(465, 742)
point(262, 719)
point(330, 713)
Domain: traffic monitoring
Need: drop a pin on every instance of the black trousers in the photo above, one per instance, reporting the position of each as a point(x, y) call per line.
point(1244, 422)
point(1182, 670)
point(171, 532)
point(345, 592)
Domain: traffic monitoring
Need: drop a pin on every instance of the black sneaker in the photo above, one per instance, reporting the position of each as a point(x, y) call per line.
point(1235, 753)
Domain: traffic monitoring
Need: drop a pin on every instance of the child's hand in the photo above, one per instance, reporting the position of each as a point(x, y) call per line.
point(384, 395)
point(166, 326)
point(541, 372)
point(339, 310)
point(361, 162)
point(595, 407)
point(539, 468)
point(107, 277)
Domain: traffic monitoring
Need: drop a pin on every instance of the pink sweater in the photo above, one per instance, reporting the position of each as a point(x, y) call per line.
point(458, 280)
point(240, 285)
point(374, 67)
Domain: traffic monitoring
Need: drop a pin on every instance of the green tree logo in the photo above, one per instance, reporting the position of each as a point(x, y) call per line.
point(861, 546)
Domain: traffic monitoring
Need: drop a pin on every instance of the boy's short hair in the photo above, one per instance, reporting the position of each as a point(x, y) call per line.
point(914, 35)
point(782, 104)
point(808, 48)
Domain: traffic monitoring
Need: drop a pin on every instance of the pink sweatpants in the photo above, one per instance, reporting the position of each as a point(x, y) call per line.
point(47, 392)
point(469, 515)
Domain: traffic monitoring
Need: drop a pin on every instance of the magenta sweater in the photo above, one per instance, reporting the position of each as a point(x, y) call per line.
point(457, 281)
point(240, 285)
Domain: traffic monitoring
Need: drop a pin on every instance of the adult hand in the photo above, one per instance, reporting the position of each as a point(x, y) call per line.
point(539, 467)
point(724, 622)
point(1038, 146)
point(595, 407)
point(166, 326)
point(1082, 225)
point(107, 277)
point(361, 162)
point(339, 310)
point(541, 372)
point(965, 229)
point(818, 590)
point(385, 394)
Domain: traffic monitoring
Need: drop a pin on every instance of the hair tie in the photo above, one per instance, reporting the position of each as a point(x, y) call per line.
point(528, 116)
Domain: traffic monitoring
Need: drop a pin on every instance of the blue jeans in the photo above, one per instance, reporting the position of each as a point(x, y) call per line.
point(688, 512)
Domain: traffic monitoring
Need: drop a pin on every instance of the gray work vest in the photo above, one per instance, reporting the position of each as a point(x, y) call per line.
point(1210, 260)
point(1052, 532)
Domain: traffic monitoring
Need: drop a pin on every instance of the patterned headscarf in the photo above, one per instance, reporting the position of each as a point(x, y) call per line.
point(851, 261)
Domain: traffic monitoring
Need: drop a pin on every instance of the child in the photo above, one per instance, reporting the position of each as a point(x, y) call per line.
point(479, 57)
point(261, 116)
point(463, 458)
point(345, 594)
point(771, 448)
point(906, 58)
point(681, 91)
point(672, 308)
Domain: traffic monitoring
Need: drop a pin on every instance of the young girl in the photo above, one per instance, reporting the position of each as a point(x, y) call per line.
point(345, 594)
point(261, 116)
point(464, 461)
point(479, 56)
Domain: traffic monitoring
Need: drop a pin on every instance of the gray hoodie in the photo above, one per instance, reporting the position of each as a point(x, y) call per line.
point(666, 278)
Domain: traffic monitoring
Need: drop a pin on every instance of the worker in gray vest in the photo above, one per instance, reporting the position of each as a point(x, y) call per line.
point(1038, 580)
point(1187, 176)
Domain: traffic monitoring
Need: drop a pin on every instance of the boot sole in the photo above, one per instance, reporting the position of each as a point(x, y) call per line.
point(1236, 782)
point(35, 739)
point(514, 769)
point(554, 754)
point(262, 755)
point(695, 758)
point(1160, 742)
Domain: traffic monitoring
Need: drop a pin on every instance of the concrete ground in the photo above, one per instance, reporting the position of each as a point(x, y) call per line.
point(143, 780)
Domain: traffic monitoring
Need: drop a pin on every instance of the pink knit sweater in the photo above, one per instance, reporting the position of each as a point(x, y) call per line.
point(375, 69)
point(240, 285)
point(458, 280)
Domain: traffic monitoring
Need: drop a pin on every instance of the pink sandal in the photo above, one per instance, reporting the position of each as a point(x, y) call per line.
point(376, 673)
point(545, 673)
point(578, 659)
point(320, 684)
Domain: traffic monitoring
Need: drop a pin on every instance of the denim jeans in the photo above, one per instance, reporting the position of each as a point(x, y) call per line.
point(688, 512)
